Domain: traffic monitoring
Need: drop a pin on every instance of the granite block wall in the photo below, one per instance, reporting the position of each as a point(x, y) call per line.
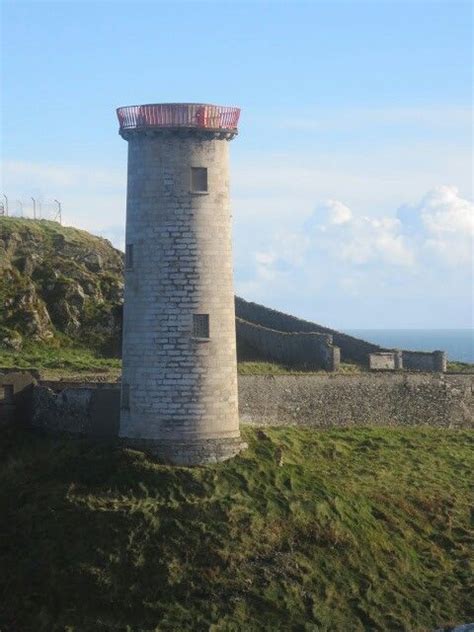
point(296, 349)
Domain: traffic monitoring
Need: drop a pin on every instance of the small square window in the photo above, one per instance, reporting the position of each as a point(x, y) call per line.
point(125, 396)
point(201, 325)
point(199, 179)
point(129, 256)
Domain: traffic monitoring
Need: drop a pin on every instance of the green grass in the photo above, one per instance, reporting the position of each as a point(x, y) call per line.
point(55, 360)
point(67, 360)
point(460, 367)
point(53, 356)
point(48, 229)
point(274, 368)
point(363, 529)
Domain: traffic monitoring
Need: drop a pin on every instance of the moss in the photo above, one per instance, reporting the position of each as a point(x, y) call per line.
point(362, 529)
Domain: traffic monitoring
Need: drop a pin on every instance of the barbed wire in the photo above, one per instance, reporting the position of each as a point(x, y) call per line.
point(31, 208)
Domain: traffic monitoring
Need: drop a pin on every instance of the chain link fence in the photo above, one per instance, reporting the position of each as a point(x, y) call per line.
point(31, 208)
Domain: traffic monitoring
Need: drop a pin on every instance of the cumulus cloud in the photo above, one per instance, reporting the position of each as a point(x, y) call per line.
point(359, 254)
point(338, 213)
point(443, 223)
point(358, 239)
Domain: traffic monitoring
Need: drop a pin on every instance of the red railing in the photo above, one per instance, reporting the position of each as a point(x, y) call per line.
point(196, 115)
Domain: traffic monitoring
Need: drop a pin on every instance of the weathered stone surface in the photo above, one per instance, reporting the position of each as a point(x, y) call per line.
point(323, 401)
point(443, 401)
point(189, 453)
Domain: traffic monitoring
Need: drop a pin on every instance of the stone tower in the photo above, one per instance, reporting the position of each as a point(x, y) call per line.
point(179, 379)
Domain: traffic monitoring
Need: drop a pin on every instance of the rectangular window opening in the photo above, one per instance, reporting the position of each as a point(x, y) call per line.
point(201, 325)
point(199, 179)
point(125, 396)
point(129, 256)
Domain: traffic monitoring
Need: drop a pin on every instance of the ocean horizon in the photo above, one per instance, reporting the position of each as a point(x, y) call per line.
point(458, 343)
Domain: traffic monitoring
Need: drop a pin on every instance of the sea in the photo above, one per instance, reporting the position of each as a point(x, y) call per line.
point(458, 343)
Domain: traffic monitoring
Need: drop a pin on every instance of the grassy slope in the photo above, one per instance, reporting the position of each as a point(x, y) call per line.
point(357, 530)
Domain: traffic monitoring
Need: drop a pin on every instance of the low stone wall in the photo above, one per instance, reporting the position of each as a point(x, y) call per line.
point(435, 361)
point(424, 361)
point(299, 349)
point(385, 399)
point(385, 361)
point(318, 401)
point(84, 410)
point(351, 348)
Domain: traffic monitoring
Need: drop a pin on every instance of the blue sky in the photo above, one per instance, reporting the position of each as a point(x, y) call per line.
point(351, 175)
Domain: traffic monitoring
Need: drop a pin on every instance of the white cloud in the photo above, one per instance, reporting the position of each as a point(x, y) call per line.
point(444, 223)
point(359, 239)
point(444, 211)
point(335, 252)
point(338, 213)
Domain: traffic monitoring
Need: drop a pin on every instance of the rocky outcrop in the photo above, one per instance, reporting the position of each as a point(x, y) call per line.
point(57, 281)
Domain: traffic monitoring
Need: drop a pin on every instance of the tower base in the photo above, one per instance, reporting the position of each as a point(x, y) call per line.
point(188, 453)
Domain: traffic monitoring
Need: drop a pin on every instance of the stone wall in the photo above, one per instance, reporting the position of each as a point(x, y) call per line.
point(385, 399)
point(84, 410)
point(385, 361)
point(319, 401)
point(435, 361)
point(423, 361)
point(299, 349)
point(352, 349)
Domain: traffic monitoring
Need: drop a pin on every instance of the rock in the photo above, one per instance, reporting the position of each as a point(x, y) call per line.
point(93, 261)
point(12, 341)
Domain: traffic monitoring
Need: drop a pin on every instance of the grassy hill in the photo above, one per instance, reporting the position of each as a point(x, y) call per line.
point(356, 530)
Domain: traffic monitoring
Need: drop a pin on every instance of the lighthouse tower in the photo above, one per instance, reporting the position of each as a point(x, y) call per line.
point(179, 378)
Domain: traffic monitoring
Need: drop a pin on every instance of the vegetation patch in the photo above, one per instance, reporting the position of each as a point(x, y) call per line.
point(363, 529)
point(460, 367)
point(56, 355)
point(255, 367)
